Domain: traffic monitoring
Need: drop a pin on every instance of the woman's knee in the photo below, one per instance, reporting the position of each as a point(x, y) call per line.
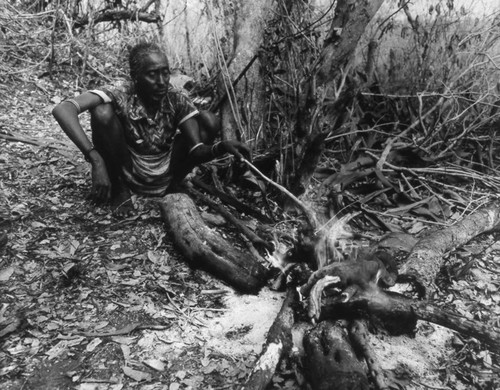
point(102, 115)
point(210, 125)
point(106, 127)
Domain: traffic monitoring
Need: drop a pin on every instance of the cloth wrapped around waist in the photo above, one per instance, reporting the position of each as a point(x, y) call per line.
point(150, 173)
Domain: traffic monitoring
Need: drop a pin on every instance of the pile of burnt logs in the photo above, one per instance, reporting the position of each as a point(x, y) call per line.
point(322, 326)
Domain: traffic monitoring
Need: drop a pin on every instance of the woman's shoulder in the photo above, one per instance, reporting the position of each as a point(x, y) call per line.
point(118, 91)
point(119, 86)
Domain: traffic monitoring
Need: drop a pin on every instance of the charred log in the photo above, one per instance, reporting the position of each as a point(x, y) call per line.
point(206, 249)
point(359, 336)
point(242, 228)
point(227, 199)
point(330, 362)
point(398, 315)
point(278, 344)
point(360, 273)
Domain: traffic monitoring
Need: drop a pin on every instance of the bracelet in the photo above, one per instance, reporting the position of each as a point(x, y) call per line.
point(86, 154)
point(74, 103)
point(214, 149)
point(194, 148)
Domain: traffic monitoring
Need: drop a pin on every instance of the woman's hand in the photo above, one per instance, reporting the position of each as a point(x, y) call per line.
point(238, 149)
point(101, 184)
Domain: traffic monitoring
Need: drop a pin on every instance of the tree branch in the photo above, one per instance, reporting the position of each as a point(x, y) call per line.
point(110, 15)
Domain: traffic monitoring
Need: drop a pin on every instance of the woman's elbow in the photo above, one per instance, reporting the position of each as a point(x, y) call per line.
point(63, 112)
point(57, 111)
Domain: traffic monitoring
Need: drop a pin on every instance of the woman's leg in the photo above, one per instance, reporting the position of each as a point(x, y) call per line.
point(109, 140)
point(210, 127)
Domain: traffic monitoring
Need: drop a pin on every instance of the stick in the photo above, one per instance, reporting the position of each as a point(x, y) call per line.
point(223, 98)
point(30, 141)
point(359, 336)
point(401, 313)
point(254, 238)
point(232, 201)
point(310, 216)
point(125, 330)
point(279, 342)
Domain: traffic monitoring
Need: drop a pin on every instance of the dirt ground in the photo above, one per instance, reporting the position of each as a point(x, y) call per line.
point(92, 302)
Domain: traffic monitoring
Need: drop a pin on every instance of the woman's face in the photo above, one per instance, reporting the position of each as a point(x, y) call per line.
point(153, 79)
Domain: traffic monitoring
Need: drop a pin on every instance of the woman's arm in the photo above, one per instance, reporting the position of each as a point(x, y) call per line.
point(66, 114)
point(200, 153)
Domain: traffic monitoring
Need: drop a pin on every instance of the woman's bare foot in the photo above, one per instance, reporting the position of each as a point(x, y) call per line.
point(121, 203)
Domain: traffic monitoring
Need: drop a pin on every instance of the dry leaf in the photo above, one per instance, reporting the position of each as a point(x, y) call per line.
point(126, 351)
point(155, 364)
point(93, 344)
point(123, 340)
point(180, 374)
point(136, 375)
point(6, 273)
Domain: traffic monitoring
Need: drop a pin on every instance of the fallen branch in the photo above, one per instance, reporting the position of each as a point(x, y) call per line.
point(238, 205)
point(308, 213)
point(278, 344)
point(205, 248)
point(12, 327)
point(399, 315)
point(32, 141)
point(111, 15)
point(427, 256)
point(360, 338)
point(123, 331)
point(244, 230)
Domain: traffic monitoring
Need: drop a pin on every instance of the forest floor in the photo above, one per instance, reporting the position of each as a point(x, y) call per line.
point(93, 302)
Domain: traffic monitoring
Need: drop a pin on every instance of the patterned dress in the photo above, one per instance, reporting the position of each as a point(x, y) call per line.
point(149, 139)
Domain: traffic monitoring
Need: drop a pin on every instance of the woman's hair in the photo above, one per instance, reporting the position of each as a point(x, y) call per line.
point(137, 55)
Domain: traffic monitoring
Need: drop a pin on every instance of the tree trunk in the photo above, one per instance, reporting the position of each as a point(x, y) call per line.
point(204, 248)
point(244, 111)
point(349, 23)
point(317, 119)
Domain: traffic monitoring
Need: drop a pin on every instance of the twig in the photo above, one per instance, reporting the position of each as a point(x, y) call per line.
point(224, 97)
point(11, 327)
point(232, 201)
point(193, 320)
point(26, 70)
point(420, 384)
point(147, 5)
point(32, 141)
point(310, 216)
point(28, 16)
point(229, 88)
point(254, 238)
point(459, 171)
point(125, 330)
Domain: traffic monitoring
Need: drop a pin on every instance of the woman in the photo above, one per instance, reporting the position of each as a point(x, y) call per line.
point(146, 137)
